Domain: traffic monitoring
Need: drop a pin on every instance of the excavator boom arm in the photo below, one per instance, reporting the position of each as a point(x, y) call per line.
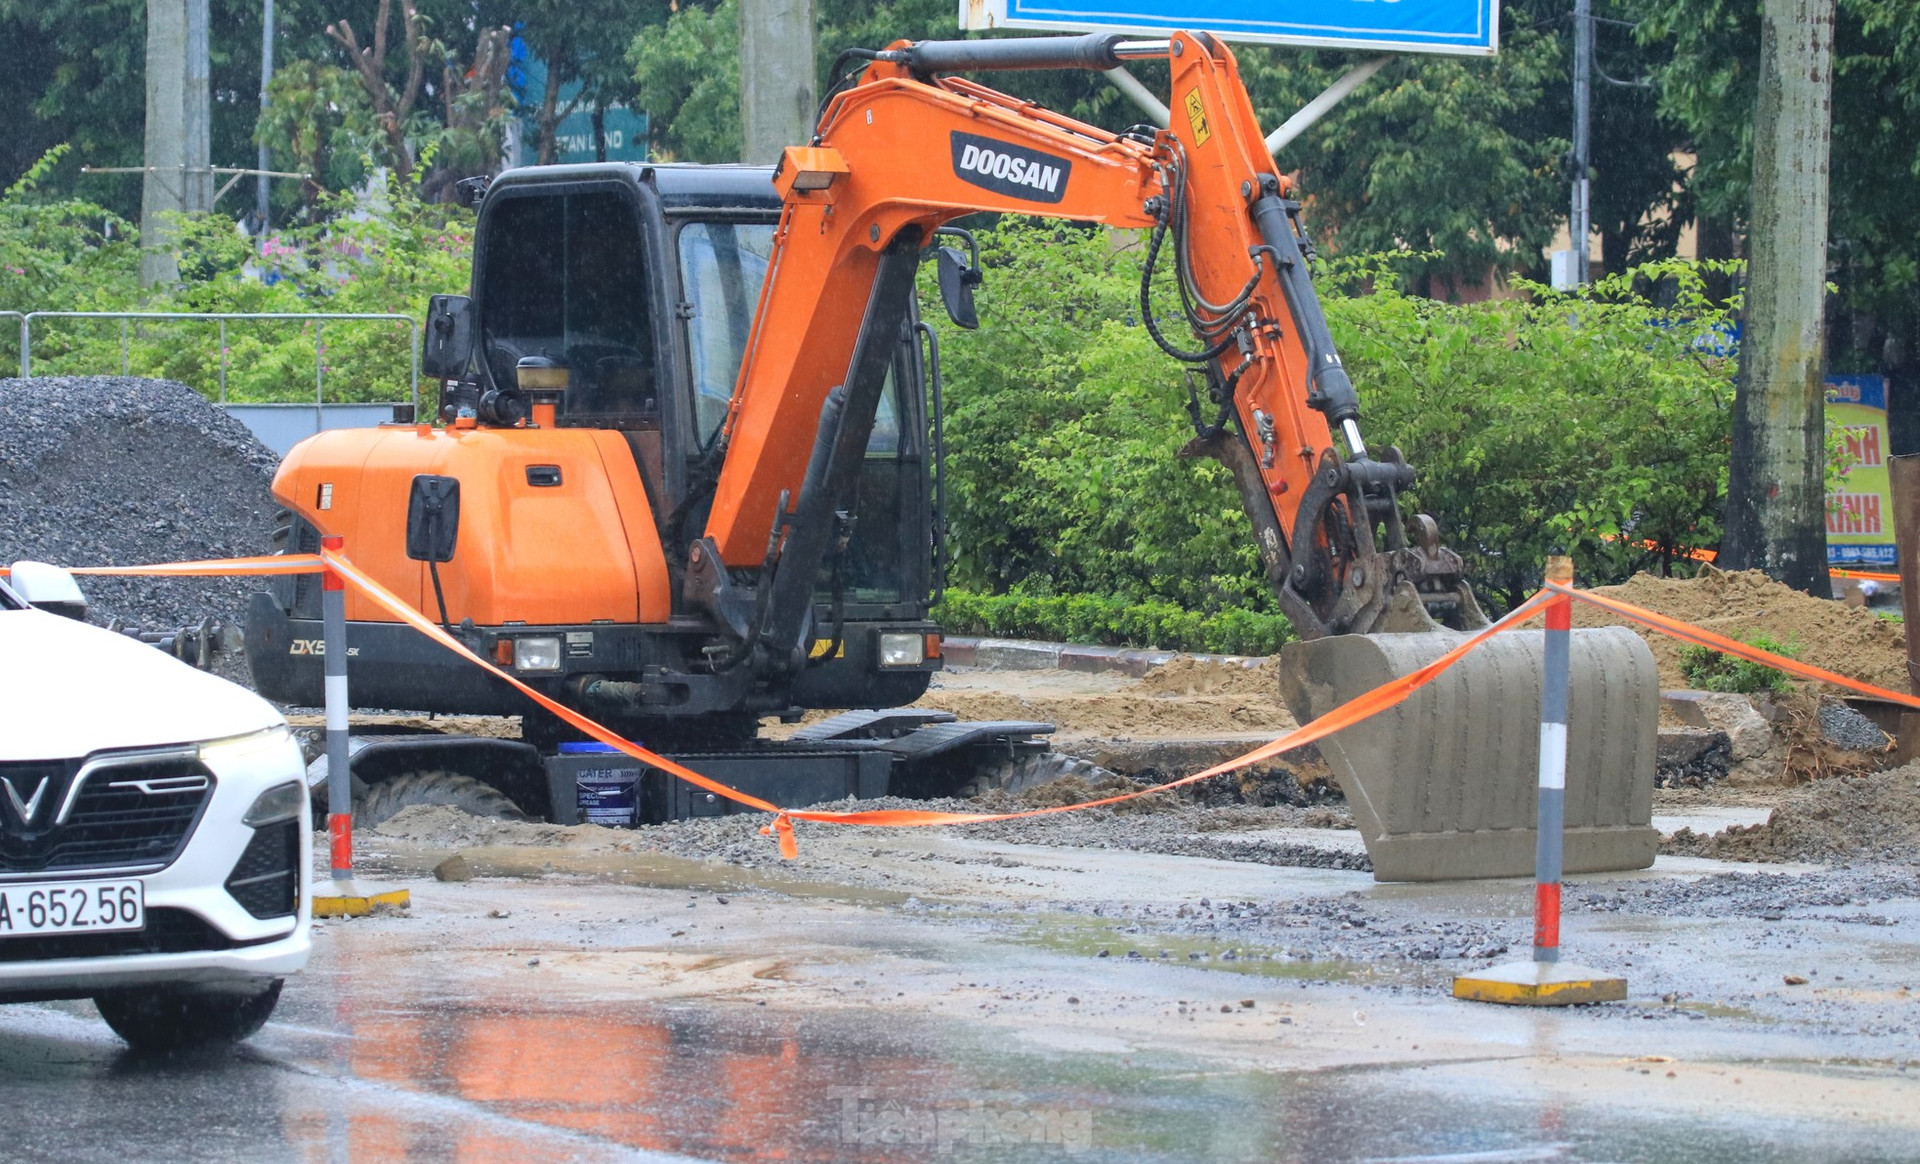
point(906, 150)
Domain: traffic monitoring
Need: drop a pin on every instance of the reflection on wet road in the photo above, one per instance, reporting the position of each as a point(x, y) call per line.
point(362, 1078)
point(593, 1022)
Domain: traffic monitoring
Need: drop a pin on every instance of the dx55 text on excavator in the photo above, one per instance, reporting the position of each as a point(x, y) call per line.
point(687, 476)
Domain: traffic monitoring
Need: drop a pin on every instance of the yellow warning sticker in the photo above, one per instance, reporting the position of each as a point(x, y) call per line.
point(1197, 117)
point(821, 646)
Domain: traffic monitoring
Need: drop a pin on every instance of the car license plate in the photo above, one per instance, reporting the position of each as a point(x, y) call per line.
point(72, 907)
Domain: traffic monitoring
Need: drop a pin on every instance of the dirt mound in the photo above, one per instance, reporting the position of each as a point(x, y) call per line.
point(1114, 706)
point(439, 824)
point(1842, 639)
point(121, 471)
point(1075, 790)
point(1196, 675)
point(1861, 818)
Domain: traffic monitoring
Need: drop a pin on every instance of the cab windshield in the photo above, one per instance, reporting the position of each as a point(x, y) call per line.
point(722, 266)
point(563, 277)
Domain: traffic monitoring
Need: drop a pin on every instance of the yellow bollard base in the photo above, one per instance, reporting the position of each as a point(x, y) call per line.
point(1540, 984)
point(352, 899)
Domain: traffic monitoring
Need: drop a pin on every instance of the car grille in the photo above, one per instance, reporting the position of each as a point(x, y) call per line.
point(265, 881)
point(133, 810)
point(169, 931)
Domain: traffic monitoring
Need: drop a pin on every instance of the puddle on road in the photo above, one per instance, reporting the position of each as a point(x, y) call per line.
point(739, 1082)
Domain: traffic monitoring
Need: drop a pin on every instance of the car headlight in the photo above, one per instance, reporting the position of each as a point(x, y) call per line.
point(903, 650)
point(281, 802)
point(239, 751)
point(540, 653)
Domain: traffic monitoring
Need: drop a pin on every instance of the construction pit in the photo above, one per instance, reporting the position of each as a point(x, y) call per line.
point(1209, 973)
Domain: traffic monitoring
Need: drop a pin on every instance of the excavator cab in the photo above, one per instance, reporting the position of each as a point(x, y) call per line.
point(589, 375)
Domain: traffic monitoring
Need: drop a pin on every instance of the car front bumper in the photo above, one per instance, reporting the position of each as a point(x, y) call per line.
point(198, 934)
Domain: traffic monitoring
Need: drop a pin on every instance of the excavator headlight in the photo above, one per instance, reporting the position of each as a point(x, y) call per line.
point(808, 169)
point(903, 650)
point(538, 653)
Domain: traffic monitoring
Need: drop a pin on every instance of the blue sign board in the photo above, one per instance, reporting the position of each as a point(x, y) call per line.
point(1462, 27)
point(624, 129)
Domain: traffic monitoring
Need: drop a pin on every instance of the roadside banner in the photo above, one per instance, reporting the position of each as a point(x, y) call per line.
point(1860, 512)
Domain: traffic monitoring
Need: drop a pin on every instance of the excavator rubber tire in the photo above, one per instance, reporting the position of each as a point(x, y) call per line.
point(465, 793)
point(1444, 785)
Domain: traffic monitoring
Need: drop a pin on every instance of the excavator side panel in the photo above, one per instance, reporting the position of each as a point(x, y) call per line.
point(554, 527)
point(1444, 785)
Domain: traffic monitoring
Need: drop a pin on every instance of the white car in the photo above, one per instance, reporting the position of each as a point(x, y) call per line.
point(154, 829)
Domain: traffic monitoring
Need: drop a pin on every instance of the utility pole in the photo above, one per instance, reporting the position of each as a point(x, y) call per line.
point(163, 190)
point(1580, 221)
point(777, 94)
point(1776, 495)
point(198, 187)
point(179, 177)
point(260, 189)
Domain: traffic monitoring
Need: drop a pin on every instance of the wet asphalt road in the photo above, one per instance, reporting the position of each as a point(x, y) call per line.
point(738, 1086)
point(450, 1036)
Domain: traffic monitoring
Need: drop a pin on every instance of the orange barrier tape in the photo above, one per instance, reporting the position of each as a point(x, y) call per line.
point(1706, 638)
point(1346, 715)
point(781, 828)
point(210, 568)
point(396, 606)
point(1703, 555)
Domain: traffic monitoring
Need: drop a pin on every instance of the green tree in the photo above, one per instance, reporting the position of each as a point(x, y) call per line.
point(688, 76)
point(1707, 86)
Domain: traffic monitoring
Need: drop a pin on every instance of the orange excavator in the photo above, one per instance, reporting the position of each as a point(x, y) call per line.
point(687, 476)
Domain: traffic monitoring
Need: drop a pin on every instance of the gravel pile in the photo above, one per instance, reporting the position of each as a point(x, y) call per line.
point(121, 471)
point(1767, 896)
point(1345, 928)
point(1868, 818)
point(1845, 728)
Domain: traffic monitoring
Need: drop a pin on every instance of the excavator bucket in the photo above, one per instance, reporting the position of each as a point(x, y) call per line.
point(1443, 786)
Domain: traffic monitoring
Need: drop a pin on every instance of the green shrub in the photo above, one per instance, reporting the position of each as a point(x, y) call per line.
point(1709, 670)
point(1114, 622)
point(382, 252)
point(1595, 421)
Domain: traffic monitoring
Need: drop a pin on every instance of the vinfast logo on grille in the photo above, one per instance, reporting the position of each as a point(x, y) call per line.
point(1009, 169)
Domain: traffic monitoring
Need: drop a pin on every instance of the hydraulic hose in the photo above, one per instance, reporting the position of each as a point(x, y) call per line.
point(1095, 50)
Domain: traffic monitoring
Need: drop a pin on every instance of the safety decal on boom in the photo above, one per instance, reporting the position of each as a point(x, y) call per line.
point(1197, 117)
point(1009, 169)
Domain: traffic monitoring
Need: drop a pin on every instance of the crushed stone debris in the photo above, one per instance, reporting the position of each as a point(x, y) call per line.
point(1845, 728)
point(1865, 818)
point(122, 471)
point(1165, 825)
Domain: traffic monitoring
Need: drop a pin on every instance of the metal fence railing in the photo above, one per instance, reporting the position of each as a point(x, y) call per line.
point(319, 319)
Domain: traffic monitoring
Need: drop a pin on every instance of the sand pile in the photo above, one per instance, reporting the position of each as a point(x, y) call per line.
point(1198, 698)
point(1874, 817)
point(1843, 639)
point(1257, 679)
